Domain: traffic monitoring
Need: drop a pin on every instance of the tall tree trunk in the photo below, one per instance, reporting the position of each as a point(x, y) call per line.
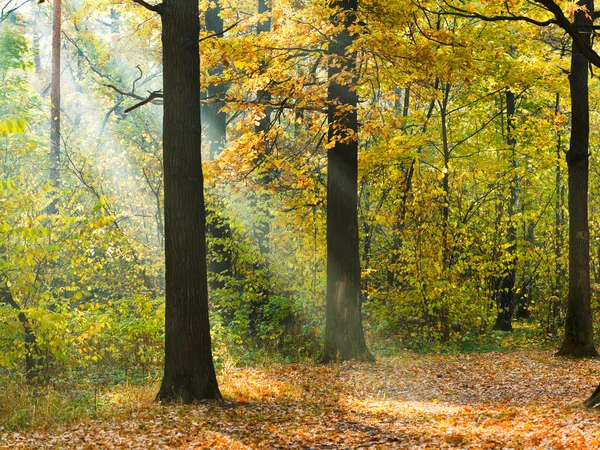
point(215, 122)
point(55, 100)
point(506, 297)
point(402, 110)
point(579, 337)
point(189, 372)
point(344, 335)
point(260, 199)
point(559, 202)
point(443, 310)
point(213, 119)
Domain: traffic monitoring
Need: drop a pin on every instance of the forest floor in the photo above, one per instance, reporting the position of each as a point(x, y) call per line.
point(526, 399)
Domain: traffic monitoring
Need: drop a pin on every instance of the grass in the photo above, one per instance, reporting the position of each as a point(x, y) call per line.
point(72, 400)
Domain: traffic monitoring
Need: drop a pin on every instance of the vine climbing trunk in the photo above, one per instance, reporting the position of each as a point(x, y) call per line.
point(578, 338)
point(344, 335)
point(189, 372)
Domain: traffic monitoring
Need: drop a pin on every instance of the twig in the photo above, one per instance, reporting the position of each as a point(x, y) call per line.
point(220, 33)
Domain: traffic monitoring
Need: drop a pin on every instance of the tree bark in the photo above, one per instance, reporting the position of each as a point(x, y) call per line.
point(344, 335)
point(506, 296)
point(55, 100)
point(578, 338)
point(189, 372)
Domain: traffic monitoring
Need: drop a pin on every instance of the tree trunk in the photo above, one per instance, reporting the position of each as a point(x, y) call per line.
point(260, 199)
point(559, 275)
point(578, 339)
point(344, 336)
point(189, 372)
point(32, 354)
point(506, 297)
point(215, 122)
point(213, 119)
point(55, 100)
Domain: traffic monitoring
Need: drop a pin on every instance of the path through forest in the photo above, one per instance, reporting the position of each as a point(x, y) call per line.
point(525, 399)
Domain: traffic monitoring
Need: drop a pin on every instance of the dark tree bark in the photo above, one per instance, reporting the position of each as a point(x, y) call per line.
point(55, 100)
point(506, 297)
point(189, 372)
point(442, 312)
point(344, 335)
point(579, 338)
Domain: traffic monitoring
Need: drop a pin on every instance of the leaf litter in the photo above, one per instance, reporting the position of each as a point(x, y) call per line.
point(518, 400)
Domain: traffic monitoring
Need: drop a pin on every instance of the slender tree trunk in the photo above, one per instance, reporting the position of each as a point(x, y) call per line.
point(559, 275)
point(260, 199)
point(506, 297)
point(215, 122)
point(579, 337)
point(213, 119)
point(344, 336)
point(264, 27)
point(401, 109)
point(37, 63)
point(189, 372)
point(32, 363)
point(55, 100)
point(443, 311)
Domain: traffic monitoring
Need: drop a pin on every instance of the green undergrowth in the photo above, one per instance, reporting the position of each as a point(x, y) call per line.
point(524, 336)
point(76, 398)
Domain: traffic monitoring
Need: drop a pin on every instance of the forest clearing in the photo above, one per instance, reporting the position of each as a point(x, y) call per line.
point(299, 224)
point(522, 399)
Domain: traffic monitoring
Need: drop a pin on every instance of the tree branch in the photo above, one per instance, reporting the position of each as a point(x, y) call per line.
point(153, 96)
point(283, 104)
point(459, 12)
point(155, 8)
point(221, 33)
point(549, 5)
point(566, 25)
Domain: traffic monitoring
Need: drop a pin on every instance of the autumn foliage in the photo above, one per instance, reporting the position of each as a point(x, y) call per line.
point(461, 116)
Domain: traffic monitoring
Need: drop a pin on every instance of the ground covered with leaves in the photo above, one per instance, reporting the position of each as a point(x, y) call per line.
point(525, 399)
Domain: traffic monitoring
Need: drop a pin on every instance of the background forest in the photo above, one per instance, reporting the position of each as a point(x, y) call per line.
point(462, 182)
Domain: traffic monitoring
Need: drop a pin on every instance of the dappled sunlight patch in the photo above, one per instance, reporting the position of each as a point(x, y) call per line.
point(244, 385)
point(403, 409)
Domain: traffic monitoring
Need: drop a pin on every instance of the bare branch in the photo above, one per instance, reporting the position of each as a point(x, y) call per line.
point(126, 94)
point(549, 5)
point(153, 96)
point(221, 33)
point(156, 8)
point(459, 12)
point(566, 25)
point(283, 104)
point(5, 12)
